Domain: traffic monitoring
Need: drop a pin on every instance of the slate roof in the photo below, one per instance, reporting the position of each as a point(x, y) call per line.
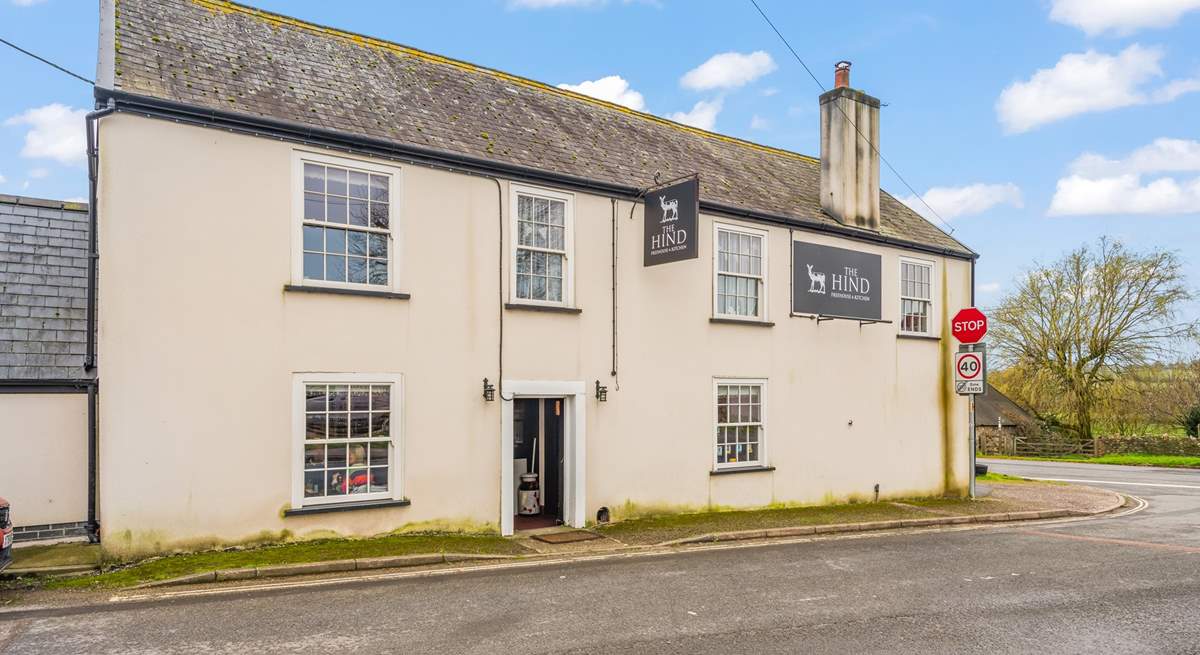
point(994, 406)
point(43, 288)
point(215, 54)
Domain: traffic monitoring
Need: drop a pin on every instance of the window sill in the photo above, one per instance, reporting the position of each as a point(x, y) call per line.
point(346, 507)
point(919, 337)
point(743, 469)
point(553, 309)
point(368, 293)
point(741, 321)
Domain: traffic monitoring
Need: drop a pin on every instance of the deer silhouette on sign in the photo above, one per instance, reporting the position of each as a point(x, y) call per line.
point(670, 209)
point(816, 281)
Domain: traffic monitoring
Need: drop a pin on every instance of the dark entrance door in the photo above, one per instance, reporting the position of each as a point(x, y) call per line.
point(552, 409)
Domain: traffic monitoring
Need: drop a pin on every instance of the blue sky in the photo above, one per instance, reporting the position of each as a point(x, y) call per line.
point(1033, 127)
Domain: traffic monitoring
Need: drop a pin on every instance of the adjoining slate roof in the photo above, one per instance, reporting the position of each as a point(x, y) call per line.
point(215, 54)
point(994, 406)
point(43, 288)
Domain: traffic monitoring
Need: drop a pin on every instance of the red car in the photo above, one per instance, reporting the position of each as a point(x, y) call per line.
point(6, 536)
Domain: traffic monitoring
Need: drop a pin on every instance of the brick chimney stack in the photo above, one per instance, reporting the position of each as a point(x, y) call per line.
point(849, 153)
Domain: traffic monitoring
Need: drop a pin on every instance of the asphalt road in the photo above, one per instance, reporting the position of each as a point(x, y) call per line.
point(1115, 585)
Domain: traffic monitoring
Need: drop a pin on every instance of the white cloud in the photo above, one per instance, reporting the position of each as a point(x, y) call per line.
point(613, 88)
point(1176, 88)
point(989, 287)
point(1119, 16)
point(770, 91)
point(1159, 156)
point(56, 132)
point(703, 114)
point(38, 173)
point(759, 123)
point(3, 179)
point(1124, 194)
point(27, 3)
point(1098, 185)
point(952, 202)
point(728, 70)
point(1087, 82)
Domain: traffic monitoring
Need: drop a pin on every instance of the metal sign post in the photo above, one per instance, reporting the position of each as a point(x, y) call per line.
point(970, 366)
point(970, 379)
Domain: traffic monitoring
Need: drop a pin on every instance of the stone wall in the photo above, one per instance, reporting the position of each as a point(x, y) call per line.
point(1151, 444)
point(995, 441)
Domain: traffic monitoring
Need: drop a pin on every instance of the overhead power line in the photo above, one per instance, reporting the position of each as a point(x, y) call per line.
point(46, 61)
point(864, 137)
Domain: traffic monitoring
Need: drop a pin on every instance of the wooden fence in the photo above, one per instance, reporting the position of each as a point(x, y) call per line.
point(1043, 447)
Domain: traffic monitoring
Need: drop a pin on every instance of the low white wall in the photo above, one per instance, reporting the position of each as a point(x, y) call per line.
point(43, 457)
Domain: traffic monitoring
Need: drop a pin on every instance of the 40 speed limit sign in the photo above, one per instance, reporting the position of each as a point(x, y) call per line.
point(970, 371)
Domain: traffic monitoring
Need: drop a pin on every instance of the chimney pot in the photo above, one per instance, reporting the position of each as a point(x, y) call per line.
point(841, 75)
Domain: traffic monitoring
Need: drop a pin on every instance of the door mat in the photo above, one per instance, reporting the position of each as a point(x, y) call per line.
point(566, 537)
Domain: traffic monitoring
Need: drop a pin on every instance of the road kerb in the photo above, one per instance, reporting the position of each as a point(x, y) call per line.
point(307, 568)
point(397, 561)
point(312, 568)
point(225, 575)
point(872, 526)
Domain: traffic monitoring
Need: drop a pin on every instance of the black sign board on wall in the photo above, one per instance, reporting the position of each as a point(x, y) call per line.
point(672, 221)
point(832, 281)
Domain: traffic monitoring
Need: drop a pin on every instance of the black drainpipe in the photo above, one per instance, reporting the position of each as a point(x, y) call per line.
point(89, 360)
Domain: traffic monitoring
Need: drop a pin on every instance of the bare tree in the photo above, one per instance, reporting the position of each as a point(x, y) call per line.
point(1078, 324)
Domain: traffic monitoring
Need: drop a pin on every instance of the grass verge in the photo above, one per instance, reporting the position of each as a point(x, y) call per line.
point(992, 476)
point(294, 553)
point(1125, 459)
point(657, 529)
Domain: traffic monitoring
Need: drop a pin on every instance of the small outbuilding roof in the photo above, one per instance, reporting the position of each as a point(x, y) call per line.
point(994, 409)
point(219, 55)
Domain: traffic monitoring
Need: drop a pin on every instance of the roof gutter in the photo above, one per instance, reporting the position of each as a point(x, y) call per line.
point(274, 128)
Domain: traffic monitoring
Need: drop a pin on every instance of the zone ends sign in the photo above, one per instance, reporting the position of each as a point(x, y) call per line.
point(969, 372)
point(968, 325)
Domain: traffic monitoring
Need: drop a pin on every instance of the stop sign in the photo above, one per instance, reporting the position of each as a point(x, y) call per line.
point(969, 325)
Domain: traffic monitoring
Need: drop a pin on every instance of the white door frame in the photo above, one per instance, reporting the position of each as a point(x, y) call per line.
point(574, 445)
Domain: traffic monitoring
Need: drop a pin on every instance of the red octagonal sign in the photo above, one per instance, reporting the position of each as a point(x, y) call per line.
point(969, 325)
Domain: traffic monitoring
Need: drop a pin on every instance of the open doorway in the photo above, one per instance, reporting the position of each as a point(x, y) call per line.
point(568, 433)
point(538, 462)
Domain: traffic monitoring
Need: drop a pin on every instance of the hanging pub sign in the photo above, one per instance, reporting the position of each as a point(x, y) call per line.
point(836, 282)
point(671, 220)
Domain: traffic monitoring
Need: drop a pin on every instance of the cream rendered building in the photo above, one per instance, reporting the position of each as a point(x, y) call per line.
point(316, 246)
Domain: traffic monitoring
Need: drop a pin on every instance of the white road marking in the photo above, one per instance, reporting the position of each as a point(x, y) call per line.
point(1136, 484)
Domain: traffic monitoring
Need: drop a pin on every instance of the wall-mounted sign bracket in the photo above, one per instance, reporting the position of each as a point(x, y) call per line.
point(820, 318)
